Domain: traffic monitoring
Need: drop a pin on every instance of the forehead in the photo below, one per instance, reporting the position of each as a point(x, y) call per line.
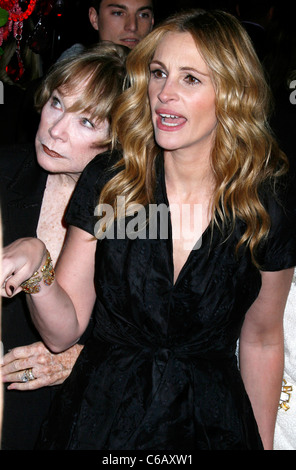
point(181, 50)
point(76, 86)
point(69, 98)
point(127, 4)
point(76, 98)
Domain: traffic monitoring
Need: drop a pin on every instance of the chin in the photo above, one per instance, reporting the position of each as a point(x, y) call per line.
point(168, 146)
point(47, 163)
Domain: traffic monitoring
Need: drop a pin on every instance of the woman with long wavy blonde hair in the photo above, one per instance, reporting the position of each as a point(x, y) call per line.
point(193, 158)
point(245, 153)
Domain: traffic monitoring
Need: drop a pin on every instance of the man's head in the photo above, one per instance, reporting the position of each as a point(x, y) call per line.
point(123, 22)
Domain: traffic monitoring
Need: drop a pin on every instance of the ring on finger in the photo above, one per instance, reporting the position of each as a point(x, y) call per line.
point(28, 375)
point(5, 281)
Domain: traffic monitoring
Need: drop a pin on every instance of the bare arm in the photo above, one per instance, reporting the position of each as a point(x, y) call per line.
point(262, 350)
point(61, 311)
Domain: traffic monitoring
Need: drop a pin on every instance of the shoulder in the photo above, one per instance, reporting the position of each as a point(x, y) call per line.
point(279, 249)
point(72, 51)
point(104, 161)
point(96, 174)
point(280, 201)
point(100, 170)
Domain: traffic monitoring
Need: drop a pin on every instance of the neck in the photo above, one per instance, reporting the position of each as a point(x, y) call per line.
point(187, 176)
point(65, 179)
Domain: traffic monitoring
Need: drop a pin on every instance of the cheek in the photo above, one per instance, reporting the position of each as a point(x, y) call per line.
point(103, 132)
point(207, 109)
point(84, 152)
point(84, 146)
point(38, 152)
point(42, 124)
point(152, 99)
point(108, 27)
point(213, 116)
point(151, 91)
point(145, 28)
point(83, 155)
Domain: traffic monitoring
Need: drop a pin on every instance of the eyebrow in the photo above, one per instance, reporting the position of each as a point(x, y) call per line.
point(184, 68)
point(124, 7)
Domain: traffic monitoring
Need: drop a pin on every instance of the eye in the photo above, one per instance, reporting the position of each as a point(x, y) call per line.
point(55, 102)
point(191, 80)
point(157, 73)
point(145, 15)
point(117, 13)
point(87, 123)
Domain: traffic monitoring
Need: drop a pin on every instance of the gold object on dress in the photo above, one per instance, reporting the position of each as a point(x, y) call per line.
point(47, 274)
point(286, 391)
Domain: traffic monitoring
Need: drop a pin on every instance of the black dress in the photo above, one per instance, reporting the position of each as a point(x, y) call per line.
point(160, 372)
point(22, 184)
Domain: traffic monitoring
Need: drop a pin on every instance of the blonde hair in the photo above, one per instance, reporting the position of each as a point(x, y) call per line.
point(102, 70)
point(244, 155)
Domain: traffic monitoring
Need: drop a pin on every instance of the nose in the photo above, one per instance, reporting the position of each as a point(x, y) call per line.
point(168, 91)
point(131, 23)
point(58, 129)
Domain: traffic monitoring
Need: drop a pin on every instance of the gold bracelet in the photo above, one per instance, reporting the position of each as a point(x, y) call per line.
point(32, 285)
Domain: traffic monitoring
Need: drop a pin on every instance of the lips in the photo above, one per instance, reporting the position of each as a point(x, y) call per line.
point(169, 120)
point(130, 42)
point(51, 153)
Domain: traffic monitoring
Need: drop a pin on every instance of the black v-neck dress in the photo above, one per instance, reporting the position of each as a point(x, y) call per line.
point(160, 372)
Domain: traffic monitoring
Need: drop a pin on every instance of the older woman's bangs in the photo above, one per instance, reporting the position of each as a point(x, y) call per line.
point(87, 87)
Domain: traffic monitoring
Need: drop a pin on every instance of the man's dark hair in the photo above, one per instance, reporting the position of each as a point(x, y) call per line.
point(97, 3)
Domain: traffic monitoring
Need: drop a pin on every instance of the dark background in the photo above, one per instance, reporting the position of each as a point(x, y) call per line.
point(56, 25)
point(67, 21)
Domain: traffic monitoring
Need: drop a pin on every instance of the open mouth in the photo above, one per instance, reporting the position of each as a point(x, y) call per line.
point(130, 42)
point(171, 120)
point(168, 120)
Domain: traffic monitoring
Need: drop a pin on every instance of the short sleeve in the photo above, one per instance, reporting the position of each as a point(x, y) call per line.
point(81, 208)
point(279, 250)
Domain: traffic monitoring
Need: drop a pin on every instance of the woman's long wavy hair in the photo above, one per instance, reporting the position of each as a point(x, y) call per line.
point(245, 153)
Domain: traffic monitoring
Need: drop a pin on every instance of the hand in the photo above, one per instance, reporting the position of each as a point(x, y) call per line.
point(20, 260)
point(47, 368)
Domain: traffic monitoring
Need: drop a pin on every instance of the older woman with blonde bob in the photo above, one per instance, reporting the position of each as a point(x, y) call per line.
point(75, 101)
point(198, 160)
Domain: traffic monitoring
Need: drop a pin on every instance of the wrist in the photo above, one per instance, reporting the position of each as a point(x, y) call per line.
point(44, 275)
